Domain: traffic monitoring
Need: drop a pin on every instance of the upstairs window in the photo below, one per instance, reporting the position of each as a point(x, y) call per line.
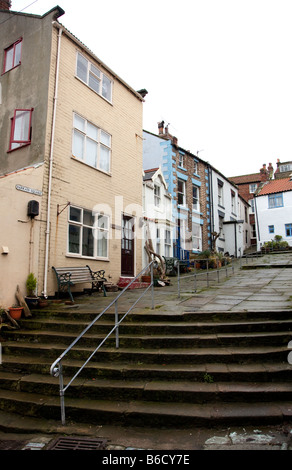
point(12, 56)
point(287, 167)
point(233, 205)
point(181, 192)
point(91, 144)
point(220, 193)
point(93, 77)
point(275, 200)
point(196, 206)
point(20, 128)
point(157, 197)
point(253, 188)
point(181, 160)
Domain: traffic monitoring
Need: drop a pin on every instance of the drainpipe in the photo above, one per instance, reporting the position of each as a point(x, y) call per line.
point(258, 233)
point(51, 163)
point(210, 181)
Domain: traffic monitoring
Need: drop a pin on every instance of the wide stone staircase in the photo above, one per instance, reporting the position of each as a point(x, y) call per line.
point(190, 369)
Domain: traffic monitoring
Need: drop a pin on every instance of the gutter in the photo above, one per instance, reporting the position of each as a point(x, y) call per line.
point(47, 243)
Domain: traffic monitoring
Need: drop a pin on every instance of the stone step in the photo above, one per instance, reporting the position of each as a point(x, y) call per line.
point(149, 390)
point(156, 315)
point(136, 412)
point(155, 340)
point(193, 355)
point(254, 372)
point(125, 281)
point(102, 326)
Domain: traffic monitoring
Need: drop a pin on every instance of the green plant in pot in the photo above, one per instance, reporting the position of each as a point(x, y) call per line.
point(31, 283)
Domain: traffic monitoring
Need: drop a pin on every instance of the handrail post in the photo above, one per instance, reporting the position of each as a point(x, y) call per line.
point(152, 286)
point(116, 323)
point(62, 397)
point(178, 279)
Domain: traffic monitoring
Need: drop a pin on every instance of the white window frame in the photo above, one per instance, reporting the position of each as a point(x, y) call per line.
point(182, 193)
point(157, 195)
point(252, 188)
point(99, 143)
point(196, 198)
point(220, 194)
point(284, 168)
point(158, 240)
point(94, 78)
point(167, 243)
point(233, 202)
point(100, 233)
point(221, 227)
point(196, 237)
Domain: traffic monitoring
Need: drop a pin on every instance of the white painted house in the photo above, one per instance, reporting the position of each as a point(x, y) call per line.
point(157, 212)
point(229, 215)
point(273, 208)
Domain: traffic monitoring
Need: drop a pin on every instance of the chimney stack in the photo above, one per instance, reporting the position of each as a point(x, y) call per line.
point(264, 174)
point(161, 127)
point(5, 4)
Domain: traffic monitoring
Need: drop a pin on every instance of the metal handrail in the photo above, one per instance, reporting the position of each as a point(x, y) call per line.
point(56, 369)
point(206, 272)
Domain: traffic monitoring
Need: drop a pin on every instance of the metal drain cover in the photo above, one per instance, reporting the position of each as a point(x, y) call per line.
point(77, 443)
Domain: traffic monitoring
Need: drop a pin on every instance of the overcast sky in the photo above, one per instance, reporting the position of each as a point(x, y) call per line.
point(218, 71)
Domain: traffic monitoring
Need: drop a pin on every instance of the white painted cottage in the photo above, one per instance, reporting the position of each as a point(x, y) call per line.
point(157, 212)
point(273, 209)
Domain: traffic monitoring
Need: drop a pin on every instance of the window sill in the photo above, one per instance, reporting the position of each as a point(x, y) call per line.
point(18, 148)
point(185, 208)
point(95, 92)
point(12, 68)
point(72, 255)
point(108, 173)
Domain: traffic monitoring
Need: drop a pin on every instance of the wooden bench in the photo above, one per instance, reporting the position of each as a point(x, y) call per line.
point(70, 276)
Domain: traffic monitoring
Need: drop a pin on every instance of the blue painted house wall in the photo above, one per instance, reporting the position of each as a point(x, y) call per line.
point(160, 152)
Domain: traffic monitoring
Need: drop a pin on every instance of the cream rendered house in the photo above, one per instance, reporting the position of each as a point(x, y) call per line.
point(71, 134)
point(159, 226)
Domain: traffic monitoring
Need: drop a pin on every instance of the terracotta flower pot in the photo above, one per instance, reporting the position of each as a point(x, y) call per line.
point(15, 312)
